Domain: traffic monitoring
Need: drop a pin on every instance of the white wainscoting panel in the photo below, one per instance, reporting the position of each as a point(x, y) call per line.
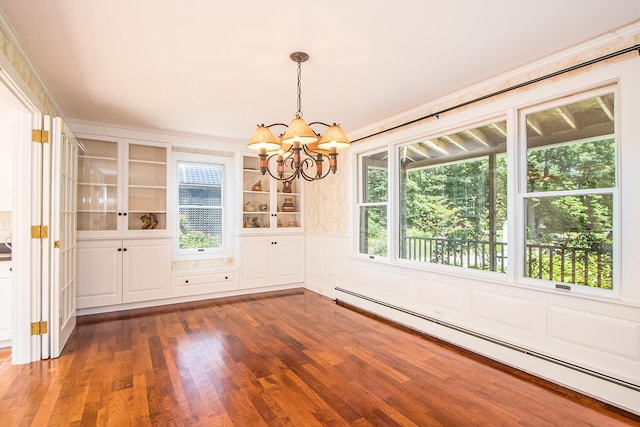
point(440, 294)
point(336, 251)
point(397, 285)
point(503, 310)
point(315, 251)
point(595, 332)
point(363, 277)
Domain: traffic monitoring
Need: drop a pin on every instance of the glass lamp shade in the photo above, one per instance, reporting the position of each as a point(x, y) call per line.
point(263, 138)
point(299, 131)
point(334, 137)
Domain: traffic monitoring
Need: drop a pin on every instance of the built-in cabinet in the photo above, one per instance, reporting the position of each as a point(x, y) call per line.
point(122, 186)
point(267, 202)
point(123, 271)
point(271, 242)
point(271, 260)
point(124, 250)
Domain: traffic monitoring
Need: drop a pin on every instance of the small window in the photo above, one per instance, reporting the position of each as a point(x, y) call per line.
point(570, 192)
point(200, 206)
point(373, 197)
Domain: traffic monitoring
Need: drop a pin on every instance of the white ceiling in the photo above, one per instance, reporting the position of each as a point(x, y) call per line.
point(219, 68)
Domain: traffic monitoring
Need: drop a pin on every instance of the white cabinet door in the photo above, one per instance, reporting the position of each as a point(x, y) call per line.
point(146, 269)
point(122, 187)
point(289, 259)
point(99, 273)
point(256, 261)
point(271, 260)
point(120, 271)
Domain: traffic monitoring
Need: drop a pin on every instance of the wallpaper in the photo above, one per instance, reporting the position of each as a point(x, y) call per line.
point(326, 202)
point(9, 50)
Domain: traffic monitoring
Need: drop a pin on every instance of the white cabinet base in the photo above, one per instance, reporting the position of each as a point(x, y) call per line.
point(271, 260)
point(120, 271)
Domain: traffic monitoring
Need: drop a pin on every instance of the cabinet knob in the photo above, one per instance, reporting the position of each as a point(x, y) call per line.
point(226, 277)
point(119, 213)
point(124, 249)
point(186, 281)
point(119, 249)
point(125, 214)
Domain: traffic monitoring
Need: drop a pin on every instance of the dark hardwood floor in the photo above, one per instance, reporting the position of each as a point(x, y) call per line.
point(288, 358)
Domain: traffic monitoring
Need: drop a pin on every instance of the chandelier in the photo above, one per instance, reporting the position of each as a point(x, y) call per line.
point(300, 152)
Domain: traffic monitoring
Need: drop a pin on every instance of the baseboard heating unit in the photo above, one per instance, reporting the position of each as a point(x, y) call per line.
point(617, 381)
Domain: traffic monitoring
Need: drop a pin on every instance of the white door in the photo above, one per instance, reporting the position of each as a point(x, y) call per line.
point(40, 253)
point(63, 242)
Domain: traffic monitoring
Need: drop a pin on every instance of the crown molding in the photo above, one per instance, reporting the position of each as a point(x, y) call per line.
point(14, 40)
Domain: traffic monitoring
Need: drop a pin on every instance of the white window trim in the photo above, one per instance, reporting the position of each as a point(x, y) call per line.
point(227, 206)
point(516, 157)
point(522, 194)
point(360, 204)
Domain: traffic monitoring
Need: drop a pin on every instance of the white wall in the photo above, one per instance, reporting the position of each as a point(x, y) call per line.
point(601, 334)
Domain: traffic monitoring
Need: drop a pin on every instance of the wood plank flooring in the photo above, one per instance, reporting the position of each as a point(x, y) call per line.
point(290, 358)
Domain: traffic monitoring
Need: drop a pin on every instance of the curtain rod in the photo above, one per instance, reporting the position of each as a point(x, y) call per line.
point(501, 91)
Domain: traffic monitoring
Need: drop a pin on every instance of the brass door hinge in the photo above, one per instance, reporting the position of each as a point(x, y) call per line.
point(39, 231)
point(57, 244)
point(39, 135)
point(39, 328)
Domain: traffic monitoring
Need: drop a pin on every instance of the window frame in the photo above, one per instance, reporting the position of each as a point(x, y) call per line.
point(226, 248)
point(523, 194)
point(471, 124)
point(360, 203)
point(512, 112)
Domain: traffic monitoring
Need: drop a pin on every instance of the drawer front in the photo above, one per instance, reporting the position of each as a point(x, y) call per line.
point(194, 284)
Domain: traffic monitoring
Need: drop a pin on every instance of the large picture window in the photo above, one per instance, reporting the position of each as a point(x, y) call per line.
point(453, 204)
point(449, 199)
point(570, 192)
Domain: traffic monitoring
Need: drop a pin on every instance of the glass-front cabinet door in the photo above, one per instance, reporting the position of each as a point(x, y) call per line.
point(147, 187)
point(122, 187)
point(98, 189)
point(268, 203)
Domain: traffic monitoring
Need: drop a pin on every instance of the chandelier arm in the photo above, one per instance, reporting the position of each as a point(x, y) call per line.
point(319, 123)
point(311, 152)
point(288, 162)
point(316, 177)
point(278, 124)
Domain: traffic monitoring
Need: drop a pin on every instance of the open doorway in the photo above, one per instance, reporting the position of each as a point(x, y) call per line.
point(16, 114)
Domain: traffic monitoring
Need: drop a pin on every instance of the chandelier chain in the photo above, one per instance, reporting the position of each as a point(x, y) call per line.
point(299, 112)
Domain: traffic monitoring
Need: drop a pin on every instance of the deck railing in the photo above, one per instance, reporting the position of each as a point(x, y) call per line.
point(583, 266)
